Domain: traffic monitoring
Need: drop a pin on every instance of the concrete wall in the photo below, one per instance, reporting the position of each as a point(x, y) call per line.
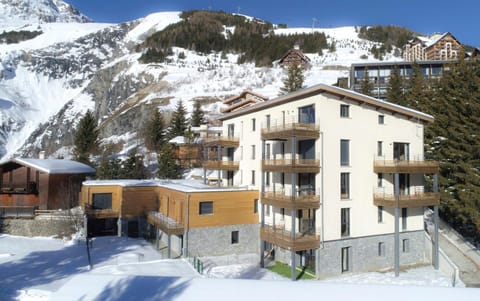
point(216, 241)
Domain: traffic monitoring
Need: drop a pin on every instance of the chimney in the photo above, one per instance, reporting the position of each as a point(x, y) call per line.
point(41, 155)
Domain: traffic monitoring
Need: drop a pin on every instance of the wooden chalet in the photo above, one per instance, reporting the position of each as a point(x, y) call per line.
point(46, 184)
point(245, 99)
point(295, 56)
point(436, 47)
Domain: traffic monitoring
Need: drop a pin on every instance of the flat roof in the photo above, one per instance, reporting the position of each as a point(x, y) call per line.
point(182, 185)
point(344, 93)
point(54, 166)
point(388, 63)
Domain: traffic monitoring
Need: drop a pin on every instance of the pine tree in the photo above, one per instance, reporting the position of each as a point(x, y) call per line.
point(366, 86)
point(416, 94)
point(133, 167)
point(86, 138)
point(154, 131)
point(294, 79)
point(167, 166)
point(198, 116)
point(395, 88)
point(179, 122)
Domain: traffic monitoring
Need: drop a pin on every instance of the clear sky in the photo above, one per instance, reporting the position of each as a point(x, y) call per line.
point(424, 16)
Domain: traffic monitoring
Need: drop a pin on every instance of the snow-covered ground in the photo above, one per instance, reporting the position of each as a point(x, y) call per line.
point(123, 269)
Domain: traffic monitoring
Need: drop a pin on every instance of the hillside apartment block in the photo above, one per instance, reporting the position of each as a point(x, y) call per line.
point(341, 179)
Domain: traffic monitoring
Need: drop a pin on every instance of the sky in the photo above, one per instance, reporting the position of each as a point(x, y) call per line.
point(423, 16)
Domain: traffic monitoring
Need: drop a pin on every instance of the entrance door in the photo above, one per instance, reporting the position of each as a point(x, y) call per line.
point(404, 184)
point(401, 151)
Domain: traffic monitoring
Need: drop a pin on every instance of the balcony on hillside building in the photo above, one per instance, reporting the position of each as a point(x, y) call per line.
point(221, 165)
point(283, 200)
point(406, 166)
point(285, 131)
point(292, 165)
point(223, 141)
point(166, 224)
point(284, 239)
point(419, 199)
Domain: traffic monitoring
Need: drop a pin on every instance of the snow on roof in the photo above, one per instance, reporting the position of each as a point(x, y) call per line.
point(183, 185)
point(56, 166)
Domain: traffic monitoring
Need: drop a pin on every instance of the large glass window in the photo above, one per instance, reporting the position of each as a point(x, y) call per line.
point(344, 152)
point(306, 114)
point(102, 201)
point(253, 124)
point(231, 130)
point(345, 259)
point(345, 185)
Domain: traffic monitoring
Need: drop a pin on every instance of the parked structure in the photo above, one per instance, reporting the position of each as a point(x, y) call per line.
point(28, 184)
point(379, 73)
point(193, 219)
point(335, 174)
point(437, 47)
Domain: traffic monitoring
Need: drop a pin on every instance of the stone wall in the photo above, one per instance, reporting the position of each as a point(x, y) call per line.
point(32, 227)
point(217, 241)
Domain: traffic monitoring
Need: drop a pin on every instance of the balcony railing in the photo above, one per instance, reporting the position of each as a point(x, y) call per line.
point(221, 165)
point(406, 166)
point(299, 201)
point(419, 199)
point(101, 213)
point(222, 141)
point(17, 211)
point(283, 238)
point(167, 224)
point(292, 165)
point(285, 131)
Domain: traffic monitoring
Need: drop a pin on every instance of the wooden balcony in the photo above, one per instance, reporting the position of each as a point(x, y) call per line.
point(167, 224)
point(222, 141)
point(221, 165)
point(422, 199)
point(281, 200)
point(292, 165)
point(283, 238)
point(101, 213)
point(406, 166)
point(285, 131)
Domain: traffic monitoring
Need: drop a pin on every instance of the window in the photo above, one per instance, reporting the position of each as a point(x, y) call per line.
point(267, 151)
point(253, 125)
point(231, 130)
point(267, 179)
point(282, 213)
point(380, 180)
point(205, 208)
point(380, 214)
point(253, 152)
point(282, 179)
point(255, 206)
point(267, 210)
point(381, 119)
point(268, 121)
point(345, 259)
point(345, 221)
point(306, 114)
point(404, 218)
point(344, 111)
point(253, 177)
point(344, 185)
point(381, 249)
point(235, 237)
point(344, 152)
point(405, 245)
point(379, 148)
point(102, 201)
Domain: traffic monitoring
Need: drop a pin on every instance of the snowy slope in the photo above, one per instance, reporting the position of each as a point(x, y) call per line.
point(48, 82)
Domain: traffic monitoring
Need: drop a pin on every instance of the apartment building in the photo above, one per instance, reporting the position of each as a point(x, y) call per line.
point(436, 47)
point(341, 178)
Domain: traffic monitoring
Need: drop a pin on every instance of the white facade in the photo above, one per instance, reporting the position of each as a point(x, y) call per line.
point(369, 128)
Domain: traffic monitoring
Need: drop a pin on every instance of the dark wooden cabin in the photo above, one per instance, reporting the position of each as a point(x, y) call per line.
point(28, 184)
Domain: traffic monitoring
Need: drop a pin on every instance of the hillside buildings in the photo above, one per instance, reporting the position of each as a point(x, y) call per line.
point(437, 47)
point(341, 187)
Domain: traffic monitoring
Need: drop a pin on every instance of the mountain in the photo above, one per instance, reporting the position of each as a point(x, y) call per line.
point(21, 12)
point(48, 81)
